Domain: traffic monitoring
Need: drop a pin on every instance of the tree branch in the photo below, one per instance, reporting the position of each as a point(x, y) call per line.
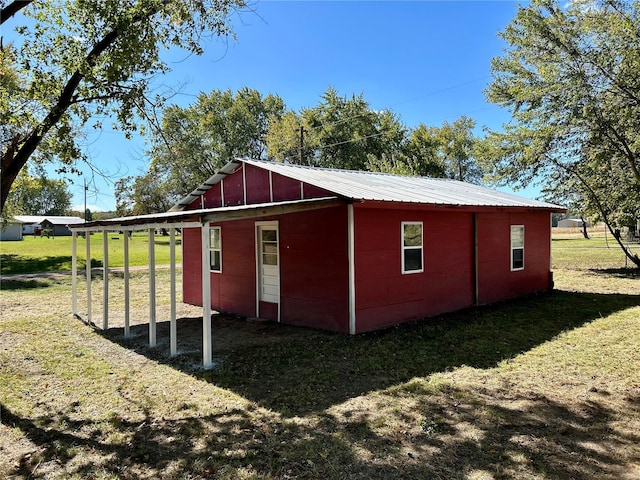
point(14, 160)
point(633, 257)
point(13, 8)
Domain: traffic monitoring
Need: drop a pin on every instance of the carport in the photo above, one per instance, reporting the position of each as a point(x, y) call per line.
point(171, 221)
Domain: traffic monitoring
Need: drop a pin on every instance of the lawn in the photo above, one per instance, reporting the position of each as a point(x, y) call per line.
point(39, 254)
point(545, 387)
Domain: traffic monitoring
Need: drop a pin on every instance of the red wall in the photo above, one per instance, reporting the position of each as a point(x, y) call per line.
point(233, 290)
point(259, 189)
point(314, 263)
point(313, 269)
point(384, 295)
point(496, 281)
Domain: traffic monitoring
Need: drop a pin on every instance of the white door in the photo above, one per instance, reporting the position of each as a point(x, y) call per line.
point(268, 263)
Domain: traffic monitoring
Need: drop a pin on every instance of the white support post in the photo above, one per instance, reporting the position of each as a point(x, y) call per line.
point(88, 272)
point(172, 262)
point(127, 319)
point(152, 288)
point(352, 269)
point(105, 280)
point(74, 272)
point(207, 358)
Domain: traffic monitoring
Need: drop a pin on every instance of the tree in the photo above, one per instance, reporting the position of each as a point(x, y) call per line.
point(38, 196)
point(570, 78)
point(196, 141)
point(339, 132)
point(90, 59)
point(142, 195)
point(442, 152)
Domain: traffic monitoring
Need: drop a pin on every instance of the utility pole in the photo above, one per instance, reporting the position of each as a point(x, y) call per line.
point(301, 145)
point(85, 199)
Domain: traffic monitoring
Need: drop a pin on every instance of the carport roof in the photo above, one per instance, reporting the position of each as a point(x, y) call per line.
point(188, 218)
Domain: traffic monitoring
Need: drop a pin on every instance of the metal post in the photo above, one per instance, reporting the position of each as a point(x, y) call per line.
point(152, 289)
point(105, 280)
point(74, 272)
point(172, 262)
point(87, 234)
point(207, 358)
point(127, 331)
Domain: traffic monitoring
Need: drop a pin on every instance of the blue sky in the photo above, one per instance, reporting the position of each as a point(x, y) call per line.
point(427, 61)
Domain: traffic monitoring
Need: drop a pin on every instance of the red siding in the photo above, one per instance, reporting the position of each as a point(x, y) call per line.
point(496, 281)
point(285, 188)
point(212, 197)
point(311, 191)
point(234, 289)
point(233, 189)
point(258, 180)
point(258, 189)
point(191, 266)
point(384, 295)
point(313, 269)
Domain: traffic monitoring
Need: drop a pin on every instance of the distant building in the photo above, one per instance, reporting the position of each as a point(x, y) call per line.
point(10, 230)
point(572, 223)
point(34, 224)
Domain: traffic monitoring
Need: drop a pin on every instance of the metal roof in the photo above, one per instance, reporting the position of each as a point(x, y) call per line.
point(228, 169)
point(199, 216)
point(371, 186)
point(54, 219)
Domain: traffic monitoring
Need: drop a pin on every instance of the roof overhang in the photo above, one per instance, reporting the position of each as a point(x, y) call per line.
point(227, 169)
point(196, 218)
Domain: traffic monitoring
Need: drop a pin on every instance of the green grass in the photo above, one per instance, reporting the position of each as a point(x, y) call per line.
point(543, 387)
point(597, 252)
point(35, 254)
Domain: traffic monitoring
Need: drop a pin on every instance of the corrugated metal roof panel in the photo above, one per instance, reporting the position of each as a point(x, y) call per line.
point(228, 169)
point(359, 185)
point(202, 214)
point(54, 219)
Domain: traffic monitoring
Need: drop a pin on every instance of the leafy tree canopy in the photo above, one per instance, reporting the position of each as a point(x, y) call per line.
point(196, 141)
point(339, 132)
point(38, 196)
point(91, 59)
point(570, 78)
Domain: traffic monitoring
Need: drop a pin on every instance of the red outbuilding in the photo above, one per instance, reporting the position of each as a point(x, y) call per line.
point(355, 251)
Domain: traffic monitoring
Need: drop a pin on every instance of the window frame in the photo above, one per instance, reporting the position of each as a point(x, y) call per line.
point(213, 249)
point(404, 248)
point(514, 248)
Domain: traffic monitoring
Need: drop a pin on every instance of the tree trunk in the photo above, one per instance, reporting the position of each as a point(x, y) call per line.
point(635, 259)
point(585, 234)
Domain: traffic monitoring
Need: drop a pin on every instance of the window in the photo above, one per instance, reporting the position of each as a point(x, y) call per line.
point(215, 249)
point(411, 247)
point(517, 247)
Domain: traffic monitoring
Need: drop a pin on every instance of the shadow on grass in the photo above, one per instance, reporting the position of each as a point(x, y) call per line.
point(298, 371)
point(13, 264)
point(27, 284)
point(294, 372)
point(617, 272)
point(544, 439)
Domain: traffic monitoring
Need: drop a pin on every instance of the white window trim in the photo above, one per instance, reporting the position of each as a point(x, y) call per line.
point(211, 249)
point(403, 247)
point(512, 248)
